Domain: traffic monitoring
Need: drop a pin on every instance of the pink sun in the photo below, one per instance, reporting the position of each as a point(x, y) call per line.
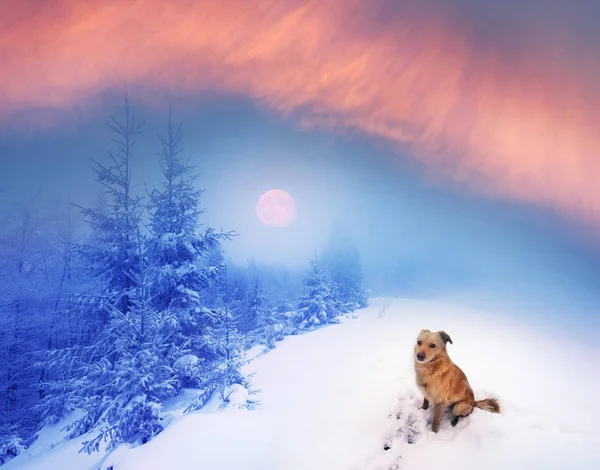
point(276, 208)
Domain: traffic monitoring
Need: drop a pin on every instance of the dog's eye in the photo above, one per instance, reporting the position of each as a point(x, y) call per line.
point(432, 345)
point(419, 343)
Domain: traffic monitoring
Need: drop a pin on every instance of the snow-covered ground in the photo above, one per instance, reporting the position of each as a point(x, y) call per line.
point(331, 398)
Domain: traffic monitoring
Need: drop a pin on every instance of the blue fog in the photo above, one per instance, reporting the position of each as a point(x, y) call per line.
point(443, 238)
point(138, 305)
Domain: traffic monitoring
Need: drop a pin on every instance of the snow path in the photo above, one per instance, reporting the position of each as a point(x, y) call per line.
point(332, 398)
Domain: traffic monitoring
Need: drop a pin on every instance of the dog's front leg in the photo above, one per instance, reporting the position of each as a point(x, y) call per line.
point(438, 413)
point(425, 404)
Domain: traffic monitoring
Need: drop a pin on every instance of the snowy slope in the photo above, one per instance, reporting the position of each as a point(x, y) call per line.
point(331, 398)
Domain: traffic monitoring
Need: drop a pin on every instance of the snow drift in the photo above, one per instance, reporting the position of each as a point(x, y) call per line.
point(333, 398)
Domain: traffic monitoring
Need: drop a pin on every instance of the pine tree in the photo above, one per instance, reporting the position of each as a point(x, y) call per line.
point(176, 248)
point(272, 326)
point(257, 305)
point(113, 252)
point(317, 305)
point(122, 378)
point(187, 266)
point(118, 380)
point(222, 374)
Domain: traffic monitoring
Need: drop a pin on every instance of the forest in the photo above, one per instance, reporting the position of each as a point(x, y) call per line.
point(106, 311)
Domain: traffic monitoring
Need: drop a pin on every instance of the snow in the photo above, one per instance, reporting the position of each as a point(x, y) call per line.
point(330, 399)
point(186, 360)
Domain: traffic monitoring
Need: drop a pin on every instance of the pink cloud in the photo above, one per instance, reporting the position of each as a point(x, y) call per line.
point(512, 110)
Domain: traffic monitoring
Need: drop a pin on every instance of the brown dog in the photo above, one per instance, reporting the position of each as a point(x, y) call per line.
point(442, 382)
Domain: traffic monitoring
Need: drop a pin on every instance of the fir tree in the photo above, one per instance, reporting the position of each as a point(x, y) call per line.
point(176, 247)
point(120, 379)
point(257, 305)
point(188, 270)
point(272, 326)
point(113, 252)
point(317, 305)
point(222, 374)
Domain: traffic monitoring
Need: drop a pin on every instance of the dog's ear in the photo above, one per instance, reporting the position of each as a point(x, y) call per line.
point(445, 337)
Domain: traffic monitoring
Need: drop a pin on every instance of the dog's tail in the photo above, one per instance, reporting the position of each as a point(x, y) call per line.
point(488, 404)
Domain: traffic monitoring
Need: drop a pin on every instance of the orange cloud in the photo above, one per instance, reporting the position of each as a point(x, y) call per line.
point(511, 110)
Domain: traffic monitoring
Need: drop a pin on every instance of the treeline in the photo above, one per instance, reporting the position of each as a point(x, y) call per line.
point(110, 318)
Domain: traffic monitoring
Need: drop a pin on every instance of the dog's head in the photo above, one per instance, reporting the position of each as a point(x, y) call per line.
point(431, 345)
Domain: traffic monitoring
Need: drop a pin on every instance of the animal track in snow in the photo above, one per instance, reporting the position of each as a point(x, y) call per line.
point(406, 425)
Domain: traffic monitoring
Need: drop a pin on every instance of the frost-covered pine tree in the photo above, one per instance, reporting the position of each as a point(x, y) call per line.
point(127, 385)
point(271, 326)
point(119, 379)
point(176, 247)
point(113, 251)
point(181, 255)
point(317, 305)
point(207, 373)
point(222, 374)
point(257, 306)
point(224, 345)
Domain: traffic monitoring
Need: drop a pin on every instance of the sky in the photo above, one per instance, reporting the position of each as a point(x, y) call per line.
point(459, 137)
